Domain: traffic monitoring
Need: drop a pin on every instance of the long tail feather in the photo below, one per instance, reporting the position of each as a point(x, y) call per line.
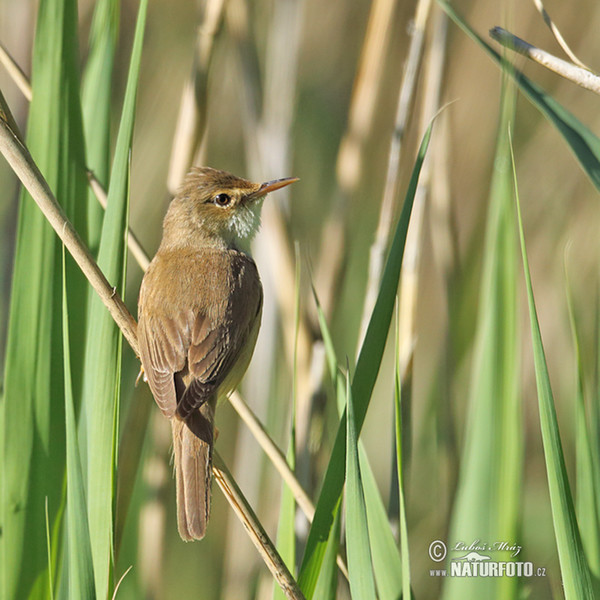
point(192, 445)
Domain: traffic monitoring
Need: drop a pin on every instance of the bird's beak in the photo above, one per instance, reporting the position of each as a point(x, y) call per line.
point(271, 186)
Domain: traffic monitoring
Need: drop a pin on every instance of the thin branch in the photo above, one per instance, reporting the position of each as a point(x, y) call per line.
point(22, 164)
point(410, 279)
point(191, 121)
point(15, 72)
point(255, 530)
point(581, 77)
point(407, 90)
point(350, 153)
point(133, 243)
point(558, 36)
point(279, 461)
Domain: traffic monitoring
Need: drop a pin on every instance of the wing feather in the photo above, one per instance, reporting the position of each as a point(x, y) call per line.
point(201, 343)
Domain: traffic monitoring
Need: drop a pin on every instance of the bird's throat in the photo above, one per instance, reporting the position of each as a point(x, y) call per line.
point(244, 224)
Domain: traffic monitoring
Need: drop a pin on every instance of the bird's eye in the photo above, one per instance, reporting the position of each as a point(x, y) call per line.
point(222, 199)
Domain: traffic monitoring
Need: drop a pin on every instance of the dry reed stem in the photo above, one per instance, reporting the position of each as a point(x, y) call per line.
point(255, 530)
point(406, 94)
point(191, 121)
point(443, 234)
point(558, 36)
point(364, 95)
point(15, 72)
point(267, 133)
point(267, 116)
point(578, 75)
point(275, 454)
point(409, 278)
point(135, 247)
point(20, 160)
point(349, 160)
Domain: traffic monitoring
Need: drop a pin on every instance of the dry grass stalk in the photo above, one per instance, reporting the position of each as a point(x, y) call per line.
point(407, 90)
point(578, 75)
point(443, 233)
point(140, 255)
point(21, 162)
point(255, 530)
point(191, 122)
point(15, 72)
point(364, 95)
point(267, 140)
point(409, 281)
point(349, 160)
point(558, 36)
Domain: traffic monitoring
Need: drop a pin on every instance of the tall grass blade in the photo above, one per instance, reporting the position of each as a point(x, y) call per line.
point(584, 144)
point(488, 496)
point(96, 91)
point(360, 567)
point(588, 477)
point(362, 385)
point(49, 550)
point(576, 577)
point(286, 530)
point(326, 586)
point(387, 564)
point(405, 564)
point(32, 437)
point(103, 350)
point(79, 559)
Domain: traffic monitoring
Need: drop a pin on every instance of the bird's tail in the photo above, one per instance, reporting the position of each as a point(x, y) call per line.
point(193, 446)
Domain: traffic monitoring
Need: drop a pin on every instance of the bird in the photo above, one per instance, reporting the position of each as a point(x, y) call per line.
point(199, 313)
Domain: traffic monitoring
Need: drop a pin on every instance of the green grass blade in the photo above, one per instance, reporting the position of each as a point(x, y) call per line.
point(588, 480)
point(96, 106)
point(103, 351)
point(405, 563)
point(360, 567)
point(488, 495)
point(49, 551)
point(80, 567)
point(326, 586)
point(387, 563)
point(33, 423)
point(362, 385)
point(576, 577)
point(584, 144)
point(594, 408)
point(286, 529)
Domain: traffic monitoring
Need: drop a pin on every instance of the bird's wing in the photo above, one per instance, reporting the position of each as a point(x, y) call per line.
point(163, 343)
point(216, 347)
point(188, 354)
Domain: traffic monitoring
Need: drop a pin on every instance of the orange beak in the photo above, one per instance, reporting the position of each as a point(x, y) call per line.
point(271, 186)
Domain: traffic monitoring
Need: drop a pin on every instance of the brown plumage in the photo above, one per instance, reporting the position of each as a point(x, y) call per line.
point(199, 314)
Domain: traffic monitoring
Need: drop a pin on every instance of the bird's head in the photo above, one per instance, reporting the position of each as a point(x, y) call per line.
point(216, 207)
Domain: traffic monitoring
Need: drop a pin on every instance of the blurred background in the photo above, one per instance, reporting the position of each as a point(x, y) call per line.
point(286, 96)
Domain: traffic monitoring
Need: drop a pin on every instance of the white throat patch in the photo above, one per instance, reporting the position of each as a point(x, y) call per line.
point(245, 222)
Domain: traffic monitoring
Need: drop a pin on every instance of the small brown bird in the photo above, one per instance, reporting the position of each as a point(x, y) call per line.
point(199, 314)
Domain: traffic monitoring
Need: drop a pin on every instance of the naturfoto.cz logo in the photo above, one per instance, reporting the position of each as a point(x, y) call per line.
point(475, 561)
